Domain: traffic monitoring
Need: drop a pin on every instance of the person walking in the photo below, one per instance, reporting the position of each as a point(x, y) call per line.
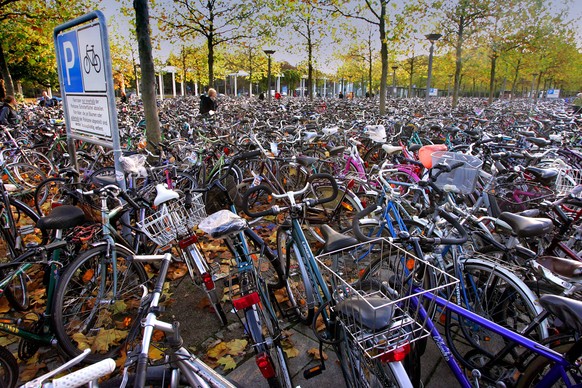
point(208, 102)
point(8, 114)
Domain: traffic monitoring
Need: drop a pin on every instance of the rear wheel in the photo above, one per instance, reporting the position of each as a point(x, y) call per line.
point(8, 369)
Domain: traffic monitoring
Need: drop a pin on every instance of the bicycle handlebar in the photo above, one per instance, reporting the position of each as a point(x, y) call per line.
point(85, 375)
point(428, 240)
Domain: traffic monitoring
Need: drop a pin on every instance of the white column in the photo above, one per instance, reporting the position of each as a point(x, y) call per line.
point(235, 86)
point(174, 83)
point(195, 87)
point(324, 87)
point(279, 83)
point(161, 78)
point(334, 89)
point(182, 88)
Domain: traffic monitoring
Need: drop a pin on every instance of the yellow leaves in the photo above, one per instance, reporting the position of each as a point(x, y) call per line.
point(227, 363)
point(178, 271)
point(289, 348)
point(217, 351)
point(314, 352)
point(155, 353)
point(31, 369)
point(236, 347)
point(4, 305)
point(101, 343)
point(88, 275)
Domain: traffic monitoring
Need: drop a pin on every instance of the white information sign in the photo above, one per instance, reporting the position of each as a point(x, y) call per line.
point(433, 92)
point(89, 114)
point(553, 93)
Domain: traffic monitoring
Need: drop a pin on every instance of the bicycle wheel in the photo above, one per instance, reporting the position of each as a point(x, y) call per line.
point(53, 191)
point(374, 156)
point(87, 312)
point(292, 176)
point(298, 285)
point(8, 368)
point(37, 159)
point(18, 228)
point(24, 176)
point(16, 291)
point(497, 294)
point(539, 366)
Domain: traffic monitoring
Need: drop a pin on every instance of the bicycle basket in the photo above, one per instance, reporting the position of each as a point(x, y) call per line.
point(374, 284)
point(173, 220)
point(567, 179)
point(518, 196)
point(463, 178)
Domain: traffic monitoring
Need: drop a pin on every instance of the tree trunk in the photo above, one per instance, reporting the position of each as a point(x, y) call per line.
point(148, 80)
point(6, 77)
point(210, 43)
point(310, 69)
point(411, 75)
point(492, 77)
point(384, 59)
point(458, 62)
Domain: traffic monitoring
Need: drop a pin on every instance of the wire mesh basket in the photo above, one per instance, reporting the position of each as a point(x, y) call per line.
point(173, 220)
point(464, 178)
point(378, 302)
point(567, 179)
point(519, 196)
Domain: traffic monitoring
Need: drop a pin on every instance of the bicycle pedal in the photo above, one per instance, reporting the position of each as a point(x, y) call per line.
point(312, 372)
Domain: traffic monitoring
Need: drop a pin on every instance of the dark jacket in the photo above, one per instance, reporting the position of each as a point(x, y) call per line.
point(8, 115)
point(207, 104)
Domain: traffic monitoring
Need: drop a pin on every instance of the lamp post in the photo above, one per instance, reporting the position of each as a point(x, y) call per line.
point(432, 38)
point(269, 52)
point(394, 68)
point(533, 82)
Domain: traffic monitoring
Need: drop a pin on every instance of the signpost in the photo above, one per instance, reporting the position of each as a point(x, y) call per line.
point(86, 80)
point(553, 93)
point(433, 92)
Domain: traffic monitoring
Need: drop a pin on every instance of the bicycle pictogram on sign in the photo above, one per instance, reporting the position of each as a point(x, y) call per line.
point(91, 60)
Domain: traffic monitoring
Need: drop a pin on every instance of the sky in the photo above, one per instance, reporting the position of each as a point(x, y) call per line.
point(115, 21)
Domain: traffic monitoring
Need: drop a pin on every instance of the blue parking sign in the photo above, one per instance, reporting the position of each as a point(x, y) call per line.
point(70, 65)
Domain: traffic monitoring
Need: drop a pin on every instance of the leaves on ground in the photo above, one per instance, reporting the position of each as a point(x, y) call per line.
point(227, 362)
point(314, 352)
point(289, 348)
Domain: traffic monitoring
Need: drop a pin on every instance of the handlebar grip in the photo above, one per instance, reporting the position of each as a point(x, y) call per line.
point(248, 155)
point(128, 199)
point(458, 227)
point(356, 223)
point(85, 375)
point(333, 183)
point(245, 202)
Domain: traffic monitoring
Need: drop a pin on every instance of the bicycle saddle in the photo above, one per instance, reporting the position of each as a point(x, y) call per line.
point(545, 176)
point(415, 147)
point(306, 160)
point(569, 311)
point(62, 217)
point(563, 267)
point(527, 133)
point(540, 142)
point(390, 149)
point(370, 312)
point(526, 226)
point(104, 180)
point(336, 150)
point(164, 194)
point(334, 240)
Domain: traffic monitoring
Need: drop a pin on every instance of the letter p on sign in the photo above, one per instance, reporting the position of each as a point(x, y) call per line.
point(69, 59)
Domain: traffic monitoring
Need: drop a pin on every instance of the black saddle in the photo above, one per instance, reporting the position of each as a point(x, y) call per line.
point(540, 142)
point(569, 311)
point(62, 217)
point(334, 240)
point(370, 312)
point(336, 150)
point(527, 226)
point(415, 147)
point(306, 160)
point(546, 176)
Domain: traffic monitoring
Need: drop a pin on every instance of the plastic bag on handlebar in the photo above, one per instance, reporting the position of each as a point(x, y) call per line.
point(222, 223)
point(134, 164)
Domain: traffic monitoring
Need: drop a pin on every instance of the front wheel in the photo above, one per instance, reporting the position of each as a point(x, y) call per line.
point(8, 368)
point(92, 310)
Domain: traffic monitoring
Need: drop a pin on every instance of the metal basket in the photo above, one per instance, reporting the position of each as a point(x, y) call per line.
point(567, 179)
point(515, 197)
point(173, 220)
point(381, 313)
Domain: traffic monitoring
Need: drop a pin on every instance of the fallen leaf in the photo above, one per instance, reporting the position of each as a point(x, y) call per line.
point(82, 342)
point(314, 352)
point(291, 352)
point(203, 303)
point(217, 351)
point(227, 363)
point(236, 347)
point(4, 305)
point(155, 353)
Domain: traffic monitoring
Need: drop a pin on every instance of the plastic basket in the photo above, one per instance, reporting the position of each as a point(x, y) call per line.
point(173, 220)
point(461, 179)
point(567, 179)
point(386, 300)
point(515, 197)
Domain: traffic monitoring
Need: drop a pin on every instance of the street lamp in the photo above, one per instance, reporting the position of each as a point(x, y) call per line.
point(394, 68)
point(269, 52)
point(432, 38)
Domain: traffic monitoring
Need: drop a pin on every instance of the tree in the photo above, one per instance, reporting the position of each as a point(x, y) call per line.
point(392, 27)
point(26, 49)
point(217, 21)
point(148, 80)
point(460, 21)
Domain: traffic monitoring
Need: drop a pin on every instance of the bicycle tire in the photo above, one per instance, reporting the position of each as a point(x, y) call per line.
point(52, 190)
point(8, 369)
point(297, 283)
point(496, 294)
point(17, 291)
point(539, 365)
point(25, 177)
point(82, 320)
point(25, 236)
point(37, 159)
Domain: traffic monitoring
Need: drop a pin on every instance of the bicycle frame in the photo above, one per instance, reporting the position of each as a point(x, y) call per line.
point(556, 372)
